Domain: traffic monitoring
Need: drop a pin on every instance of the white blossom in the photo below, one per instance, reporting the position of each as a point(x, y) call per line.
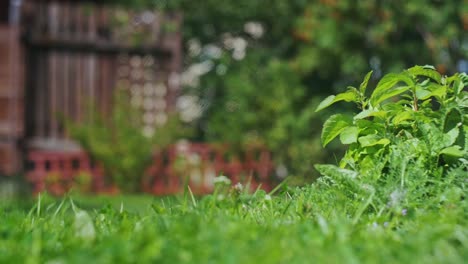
point(396, 197)
point(222, 180)
point(239, 187)
point(83, 226)
point(189, 108)
point(238, 55)
point(194, 47)
point(191, 76)
point(213, 51)
point(255, 29)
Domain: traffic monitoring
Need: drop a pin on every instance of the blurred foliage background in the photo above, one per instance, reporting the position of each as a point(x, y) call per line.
point(255, 69)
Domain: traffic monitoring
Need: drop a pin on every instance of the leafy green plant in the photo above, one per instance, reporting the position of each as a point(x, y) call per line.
point(117, 142)
point(416, 113)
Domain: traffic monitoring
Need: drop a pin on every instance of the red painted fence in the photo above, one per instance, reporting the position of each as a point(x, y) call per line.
point(186, 163)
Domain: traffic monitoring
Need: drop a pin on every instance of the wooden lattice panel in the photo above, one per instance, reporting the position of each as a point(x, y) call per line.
point(147, 84)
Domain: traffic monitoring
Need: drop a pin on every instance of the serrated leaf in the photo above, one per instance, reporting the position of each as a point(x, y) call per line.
point(334, 126)
point(426, 72)
point(349, 135)
point(363, 86)
point(372, 140)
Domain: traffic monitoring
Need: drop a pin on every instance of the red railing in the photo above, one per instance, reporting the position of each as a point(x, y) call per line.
point(56, 171)
point(186, 163)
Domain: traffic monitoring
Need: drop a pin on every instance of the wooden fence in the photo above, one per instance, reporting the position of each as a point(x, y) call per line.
point(194, 164)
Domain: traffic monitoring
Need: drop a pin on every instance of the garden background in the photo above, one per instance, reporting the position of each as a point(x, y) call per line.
point(253, 75)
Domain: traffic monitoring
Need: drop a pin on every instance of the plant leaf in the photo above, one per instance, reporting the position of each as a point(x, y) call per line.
point(334, 126)
point(387, 83)
point(348, 96)
point(391, 93)
point(363, 86)
point(422, 94)
point(325, 103)
point(402, 116)
point(349, 135)
point(425, 71)
point(372, 140)
point(453, 118)
point(454, 151)
point(439, 91)
point(451, 136)
point(370, 112)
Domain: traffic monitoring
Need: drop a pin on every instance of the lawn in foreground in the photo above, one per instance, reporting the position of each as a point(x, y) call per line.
point(301, 225)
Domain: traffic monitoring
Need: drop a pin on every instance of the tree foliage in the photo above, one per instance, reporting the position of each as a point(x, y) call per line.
point(340, 40)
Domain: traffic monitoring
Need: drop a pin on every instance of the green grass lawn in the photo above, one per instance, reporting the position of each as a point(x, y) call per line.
point(295, 225)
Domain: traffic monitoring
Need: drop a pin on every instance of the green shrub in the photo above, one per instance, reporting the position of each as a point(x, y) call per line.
point(117, 142)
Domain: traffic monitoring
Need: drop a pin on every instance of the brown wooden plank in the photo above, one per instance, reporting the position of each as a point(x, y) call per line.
point(10, 158)
point(42, 97)
point(52, 85)
point(79, 88)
